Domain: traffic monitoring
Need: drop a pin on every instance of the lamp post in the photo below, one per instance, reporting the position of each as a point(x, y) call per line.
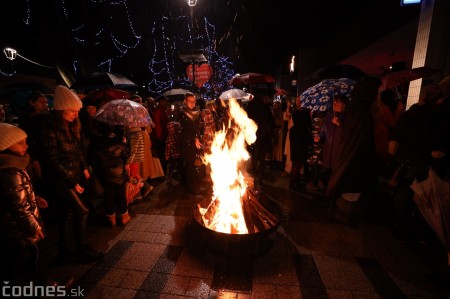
point(191, 2)
point(12, 54)
point(292, 72)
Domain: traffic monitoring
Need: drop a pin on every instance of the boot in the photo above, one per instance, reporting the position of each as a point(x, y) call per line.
point(145, 190)
point(111, 220)
point(125, 218)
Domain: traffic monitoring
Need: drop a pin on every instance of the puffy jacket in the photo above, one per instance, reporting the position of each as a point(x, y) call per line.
point(19, 214)
point(62, 158)
point(108, 157)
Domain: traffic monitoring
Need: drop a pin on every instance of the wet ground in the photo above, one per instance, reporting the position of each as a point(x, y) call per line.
point(311, 255)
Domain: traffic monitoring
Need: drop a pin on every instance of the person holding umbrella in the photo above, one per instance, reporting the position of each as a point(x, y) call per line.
point(355, 174)
point(419, 143)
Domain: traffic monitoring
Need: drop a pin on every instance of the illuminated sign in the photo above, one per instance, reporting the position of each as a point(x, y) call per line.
point(409, 2)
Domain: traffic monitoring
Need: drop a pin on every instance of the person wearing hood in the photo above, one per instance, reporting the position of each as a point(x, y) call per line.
point(21, 226)
point(355, 173)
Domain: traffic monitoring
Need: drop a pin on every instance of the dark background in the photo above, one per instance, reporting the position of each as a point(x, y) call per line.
point(257, 35)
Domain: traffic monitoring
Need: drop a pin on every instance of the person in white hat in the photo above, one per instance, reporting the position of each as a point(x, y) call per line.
point(20, 223)
point(65, 170)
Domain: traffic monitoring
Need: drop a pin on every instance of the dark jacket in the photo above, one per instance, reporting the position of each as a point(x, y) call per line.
point(189, 130)
point(420, 131)
point(300, 135)
point(19, 214)
point(108, 156)
point(356, 169)
point(63, 159)
point(331, 136)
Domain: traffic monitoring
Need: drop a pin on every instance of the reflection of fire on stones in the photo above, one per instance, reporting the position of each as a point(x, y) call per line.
point(235, 208)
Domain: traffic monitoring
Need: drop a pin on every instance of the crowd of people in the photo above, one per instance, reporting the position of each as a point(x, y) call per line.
point(363, 150)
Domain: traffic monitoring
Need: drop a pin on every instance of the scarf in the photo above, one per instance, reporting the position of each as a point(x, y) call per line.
point(193, 114)
point(11, 160)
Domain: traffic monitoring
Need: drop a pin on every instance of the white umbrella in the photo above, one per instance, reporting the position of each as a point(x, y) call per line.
point(175, 92)
point(233, 93)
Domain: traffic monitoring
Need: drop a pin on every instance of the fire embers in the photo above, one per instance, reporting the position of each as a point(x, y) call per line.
point(257, 214)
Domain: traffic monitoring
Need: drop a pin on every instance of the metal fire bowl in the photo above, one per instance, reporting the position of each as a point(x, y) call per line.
point(234, 245)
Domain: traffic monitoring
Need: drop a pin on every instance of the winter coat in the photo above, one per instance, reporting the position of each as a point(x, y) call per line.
point(19, 214)
point(189, 130)
point(331, 137)
point(260, 112)
point(420, 131)
point(108, 156)
point(62, 157)
point(161, 119)
point(356, 169)
point(300, 135)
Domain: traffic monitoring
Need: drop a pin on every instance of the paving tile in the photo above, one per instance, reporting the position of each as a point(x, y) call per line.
point(113, 278)
point(146, 295)
point(311, 284)
point(176, 285)
point(154, 282)
point(193, 266)
point(141, 256)
point(291, 292)
point(109, 292)
point(168, 259)
point(339, 294)
point(199, 287)
point(332, 249)
point(233, 276)
point(133, 279)
point(342, 273)
point(156, 238)
point(379, 278)
point(275, 268)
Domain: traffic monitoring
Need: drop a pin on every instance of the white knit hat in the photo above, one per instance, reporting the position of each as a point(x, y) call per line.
point(66, 99)
point(10, 135)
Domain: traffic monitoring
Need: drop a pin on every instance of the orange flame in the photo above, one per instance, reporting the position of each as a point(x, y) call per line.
point(228, 156)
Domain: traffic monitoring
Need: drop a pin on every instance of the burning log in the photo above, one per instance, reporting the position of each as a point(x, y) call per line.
point(257, 217)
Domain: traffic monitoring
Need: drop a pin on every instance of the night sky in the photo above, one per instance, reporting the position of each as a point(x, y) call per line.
point(256, 35)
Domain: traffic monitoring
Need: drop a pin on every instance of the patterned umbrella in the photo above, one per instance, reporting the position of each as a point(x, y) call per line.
point(320, 96)
point(123, 113)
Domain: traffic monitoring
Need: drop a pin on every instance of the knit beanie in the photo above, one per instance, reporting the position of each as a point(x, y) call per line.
point(66, 99)
point(10, 135)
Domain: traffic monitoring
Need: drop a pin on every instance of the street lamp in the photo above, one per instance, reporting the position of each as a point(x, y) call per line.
point(292, 65)
point(12, 54)
point(192, 2)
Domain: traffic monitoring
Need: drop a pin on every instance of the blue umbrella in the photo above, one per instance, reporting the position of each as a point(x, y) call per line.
point(320, 96)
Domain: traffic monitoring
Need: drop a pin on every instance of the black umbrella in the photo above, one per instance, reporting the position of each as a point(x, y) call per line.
point(102, 80)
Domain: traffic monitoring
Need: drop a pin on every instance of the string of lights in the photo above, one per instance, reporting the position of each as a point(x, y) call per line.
point(116, 32)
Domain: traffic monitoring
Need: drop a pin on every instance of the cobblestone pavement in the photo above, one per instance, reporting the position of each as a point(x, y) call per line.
point(310, 256)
